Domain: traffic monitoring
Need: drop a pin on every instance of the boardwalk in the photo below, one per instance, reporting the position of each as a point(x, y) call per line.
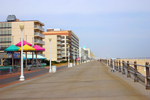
point(90, 81)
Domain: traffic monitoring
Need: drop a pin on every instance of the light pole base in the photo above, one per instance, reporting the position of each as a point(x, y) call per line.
point(112, 70)
point(21, 78)
point(50, 70)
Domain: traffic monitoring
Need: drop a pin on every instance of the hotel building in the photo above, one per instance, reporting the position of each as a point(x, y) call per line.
point(10, 33)
point(56, 47)
point(68, 39)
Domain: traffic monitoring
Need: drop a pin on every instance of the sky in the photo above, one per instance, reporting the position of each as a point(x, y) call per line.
point(110, 28)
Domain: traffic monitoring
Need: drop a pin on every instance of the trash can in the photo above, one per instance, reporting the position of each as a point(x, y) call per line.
point(70, 65)
point(54, 69)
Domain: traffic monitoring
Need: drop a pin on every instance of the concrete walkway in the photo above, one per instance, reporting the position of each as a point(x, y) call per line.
point(90, 81)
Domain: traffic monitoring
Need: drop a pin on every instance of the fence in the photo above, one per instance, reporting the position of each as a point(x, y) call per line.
point(131, 72)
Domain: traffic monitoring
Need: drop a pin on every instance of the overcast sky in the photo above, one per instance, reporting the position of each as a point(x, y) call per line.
point(117, 28)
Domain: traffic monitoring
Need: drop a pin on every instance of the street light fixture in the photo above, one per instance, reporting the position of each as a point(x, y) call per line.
point(74, 55)
point(80, 57)
point(22, 76)
point(68, 56)
point(50, 69)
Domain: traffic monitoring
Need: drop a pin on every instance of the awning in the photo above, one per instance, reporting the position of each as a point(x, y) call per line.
point(29, 56)
point(12, 48)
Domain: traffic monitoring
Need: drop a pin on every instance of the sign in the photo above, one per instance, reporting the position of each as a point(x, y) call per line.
point(9, 55)
point(84, 47)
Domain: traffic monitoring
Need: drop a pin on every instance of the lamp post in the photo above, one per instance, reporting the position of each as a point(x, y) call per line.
point(50, 69)
point(80, 57)
point(77, 57)
point(22, 76)
point(74, 55)
point(68, 56)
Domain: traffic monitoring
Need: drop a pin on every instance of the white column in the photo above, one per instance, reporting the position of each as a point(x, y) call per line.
point(22, 76)
point(68, 56)
point(74, 55)
point(50, 69)
point(77, 57)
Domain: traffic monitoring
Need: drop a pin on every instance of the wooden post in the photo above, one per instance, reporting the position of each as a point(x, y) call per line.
point(135, 72)
point(128, 72)
point(123, 71)
point(111, 63)
point(36, 60)
point(26, 59)
point(116, 65)
point(147, 76)
point(13, 61)
point(119, 66)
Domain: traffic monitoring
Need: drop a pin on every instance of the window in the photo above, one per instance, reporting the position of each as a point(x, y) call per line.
point(5, 25)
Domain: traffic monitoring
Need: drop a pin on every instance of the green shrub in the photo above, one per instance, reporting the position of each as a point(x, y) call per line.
point(63, 61)
point(47, 62)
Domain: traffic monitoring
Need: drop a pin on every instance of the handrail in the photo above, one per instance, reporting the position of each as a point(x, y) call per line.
point(126, 69)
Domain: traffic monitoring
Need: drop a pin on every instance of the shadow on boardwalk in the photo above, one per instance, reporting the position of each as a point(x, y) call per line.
point(90, 81)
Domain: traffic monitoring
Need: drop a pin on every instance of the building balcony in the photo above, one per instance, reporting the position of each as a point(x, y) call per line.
point(59, 56)
point(59, 47)
point(59, 52)
point(59, 43)
point(58, 38)
point(39, 35)
point(38, 27)
point(37, 41)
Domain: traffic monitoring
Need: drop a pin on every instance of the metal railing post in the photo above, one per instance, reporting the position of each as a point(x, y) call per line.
point(135, 72)
point(147, 76)
point(123, 71)
point(128, 72)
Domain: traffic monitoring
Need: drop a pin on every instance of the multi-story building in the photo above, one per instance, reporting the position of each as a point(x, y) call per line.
point(87, 53)
point(82, 53)
point(56, 47)
point(10, 32)
point(68, 39)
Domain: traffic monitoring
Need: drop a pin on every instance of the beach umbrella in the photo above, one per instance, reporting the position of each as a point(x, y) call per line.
point(24, 42)
point(12, 48)
point(26, 48)
point(38, 48)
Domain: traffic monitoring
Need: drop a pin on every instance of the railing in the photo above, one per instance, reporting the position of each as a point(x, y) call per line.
point(132, 72)
point(59, 56)
point(59, 43)
point(59, 52)
point(58, 38)
point(39, 34)
point(37, 26)
point(59, 47)
point(39, 41)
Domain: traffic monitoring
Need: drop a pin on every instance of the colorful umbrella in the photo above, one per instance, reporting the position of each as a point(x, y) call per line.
point(24, 42)
point(26, 48)
point(38, 48)
point(12, 48)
